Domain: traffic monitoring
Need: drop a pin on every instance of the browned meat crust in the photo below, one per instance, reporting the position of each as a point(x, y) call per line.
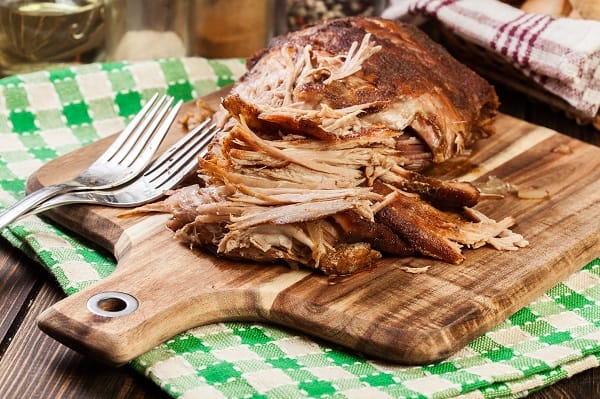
point(358, 229)
point(438, 234)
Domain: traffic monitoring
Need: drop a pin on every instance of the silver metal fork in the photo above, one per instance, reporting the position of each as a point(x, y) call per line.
point(163, 174)
point(126, 158)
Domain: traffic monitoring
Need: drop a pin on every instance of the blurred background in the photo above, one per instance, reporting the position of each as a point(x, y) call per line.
point(40, 34)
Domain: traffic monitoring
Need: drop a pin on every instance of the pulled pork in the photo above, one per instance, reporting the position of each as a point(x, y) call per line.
point(318, 163)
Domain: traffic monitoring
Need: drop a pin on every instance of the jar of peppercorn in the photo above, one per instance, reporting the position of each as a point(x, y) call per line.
point(304, 12)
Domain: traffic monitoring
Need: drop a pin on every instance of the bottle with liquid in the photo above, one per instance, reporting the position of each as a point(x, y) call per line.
point(44, 34)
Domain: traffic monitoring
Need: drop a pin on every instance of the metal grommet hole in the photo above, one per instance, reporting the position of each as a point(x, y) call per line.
point(112, 304)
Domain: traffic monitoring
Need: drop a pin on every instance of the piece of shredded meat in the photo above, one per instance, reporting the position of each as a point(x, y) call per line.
point(324, 139)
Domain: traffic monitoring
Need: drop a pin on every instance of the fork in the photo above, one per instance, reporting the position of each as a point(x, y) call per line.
point(163, 174)
point(126, 158)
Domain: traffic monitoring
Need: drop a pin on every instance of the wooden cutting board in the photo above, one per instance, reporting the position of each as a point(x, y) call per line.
point(384, 312)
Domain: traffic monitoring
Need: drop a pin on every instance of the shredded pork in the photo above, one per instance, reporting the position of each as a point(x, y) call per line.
point(318, 163)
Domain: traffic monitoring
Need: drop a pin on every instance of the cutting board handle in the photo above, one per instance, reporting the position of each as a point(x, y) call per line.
point(148, 300)
point(123, 316)
point(134, 309)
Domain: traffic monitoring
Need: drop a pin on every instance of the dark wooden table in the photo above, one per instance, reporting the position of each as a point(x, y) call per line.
point(32, 365)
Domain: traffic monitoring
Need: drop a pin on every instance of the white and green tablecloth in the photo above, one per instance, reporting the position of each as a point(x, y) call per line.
point(47, 114)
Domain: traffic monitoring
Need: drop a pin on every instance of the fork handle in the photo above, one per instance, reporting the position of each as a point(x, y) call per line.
point(28, 203)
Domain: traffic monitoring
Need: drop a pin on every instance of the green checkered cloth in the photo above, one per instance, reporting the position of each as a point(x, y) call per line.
point(47, 114)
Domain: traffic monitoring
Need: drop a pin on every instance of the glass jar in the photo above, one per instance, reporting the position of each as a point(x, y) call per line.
point(148, 29)
point(227, 28)
point(44, 34)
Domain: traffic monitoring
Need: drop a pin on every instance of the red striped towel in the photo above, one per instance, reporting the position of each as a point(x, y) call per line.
point(562, 55)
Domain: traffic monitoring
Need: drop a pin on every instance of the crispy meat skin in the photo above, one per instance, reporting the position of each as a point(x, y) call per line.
point(317, 164)
point(359, 229)
point(421, 225)
point(441, 235)
point(410, 64)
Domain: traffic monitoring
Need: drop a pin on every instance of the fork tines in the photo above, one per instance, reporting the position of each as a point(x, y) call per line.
point(179, 160)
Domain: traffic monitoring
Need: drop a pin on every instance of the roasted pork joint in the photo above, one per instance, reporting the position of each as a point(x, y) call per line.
point(365, 76)
point(323, 143)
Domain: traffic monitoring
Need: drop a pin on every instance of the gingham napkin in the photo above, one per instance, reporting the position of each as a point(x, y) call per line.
point(562, 55)
point(44, 115)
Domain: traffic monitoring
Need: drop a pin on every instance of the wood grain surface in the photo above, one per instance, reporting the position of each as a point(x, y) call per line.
point(384, 312)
